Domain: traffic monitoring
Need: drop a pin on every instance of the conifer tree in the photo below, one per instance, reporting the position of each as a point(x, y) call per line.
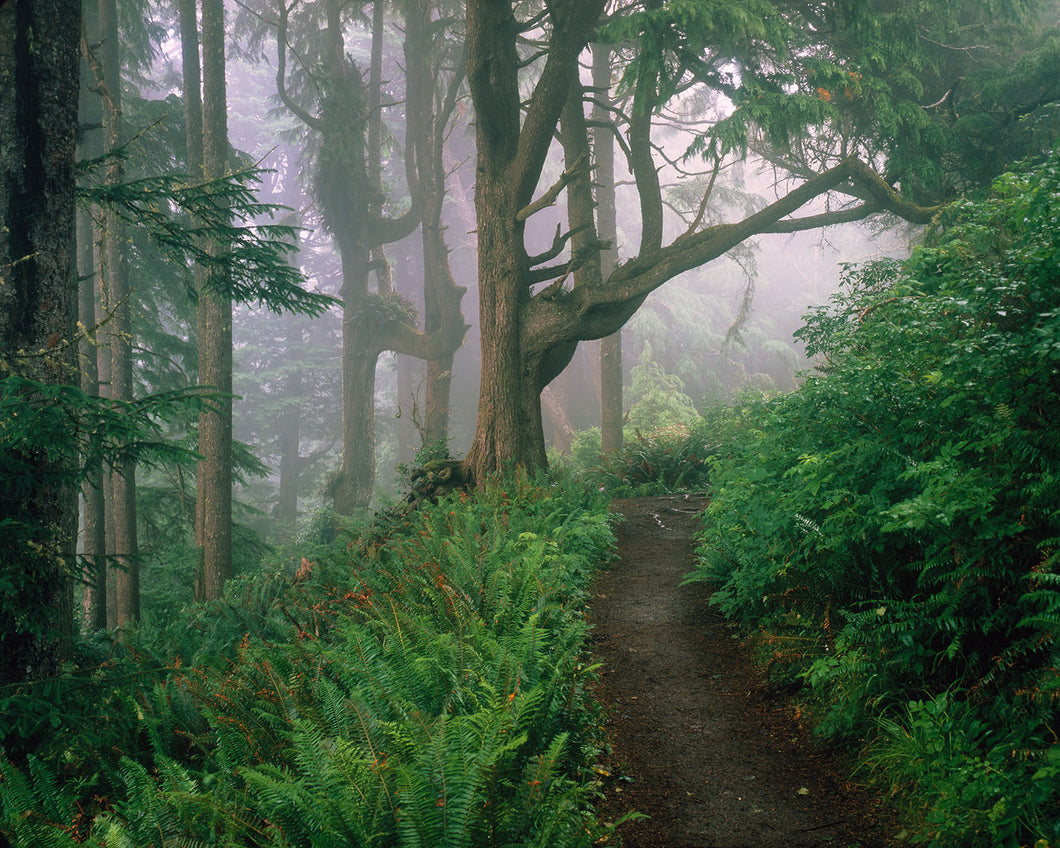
point(214, 498)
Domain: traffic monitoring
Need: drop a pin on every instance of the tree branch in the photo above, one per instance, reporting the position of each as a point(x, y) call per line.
point(549, 197)
point(590, 312)
point(825, 219)
point(310, 121)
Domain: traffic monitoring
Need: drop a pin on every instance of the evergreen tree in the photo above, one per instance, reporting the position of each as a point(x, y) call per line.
point(826, 89)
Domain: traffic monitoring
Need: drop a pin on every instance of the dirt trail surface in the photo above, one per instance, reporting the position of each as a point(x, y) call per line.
point(700, 742)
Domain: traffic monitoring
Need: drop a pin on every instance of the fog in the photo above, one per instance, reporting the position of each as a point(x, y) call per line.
point(719, 329)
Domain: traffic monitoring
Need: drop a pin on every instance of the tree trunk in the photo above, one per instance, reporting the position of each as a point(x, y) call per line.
point(94, 548)
point(193, 138)
point(442, 296)
point(290, 432)
point(406, 404)
point(352, 488)
point(555, 401)
point(509, 412)
point(511, 153)
point(120, 295)
point(607, 229)
point(214, 503)
point(508, 428)
point(38, 128)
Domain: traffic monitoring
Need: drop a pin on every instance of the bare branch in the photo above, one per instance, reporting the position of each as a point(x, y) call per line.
point(549, 197)
point(559, 240)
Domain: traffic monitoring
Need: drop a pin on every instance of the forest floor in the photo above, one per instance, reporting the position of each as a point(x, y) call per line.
point(700, 742)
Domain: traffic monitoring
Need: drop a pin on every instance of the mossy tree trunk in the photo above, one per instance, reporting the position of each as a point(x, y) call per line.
point(38, 304)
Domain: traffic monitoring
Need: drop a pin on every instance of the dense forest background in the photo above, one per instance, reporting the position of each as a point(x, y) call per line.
point(268, 266)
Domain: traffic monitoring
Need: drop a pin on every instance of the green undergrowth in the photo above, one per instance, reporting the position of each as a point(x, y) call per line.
point(430, 690)
point(892, 528)
point(663, 460)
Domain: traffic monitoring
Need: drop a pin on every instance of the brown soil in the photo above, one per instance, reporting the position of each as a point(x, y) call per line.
point(700, 742)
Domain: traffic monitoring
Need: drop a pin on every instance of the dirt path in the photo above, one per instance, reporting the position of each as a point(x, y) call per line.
point(700, 743)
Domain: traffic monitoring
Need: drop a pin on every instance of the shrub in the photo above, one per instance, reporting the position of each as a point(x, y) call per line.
point(898, 515)
point(430, 691)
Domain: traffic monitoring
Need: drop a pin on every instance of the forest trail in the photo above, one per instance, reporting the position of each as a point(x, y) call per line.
point(700, 742)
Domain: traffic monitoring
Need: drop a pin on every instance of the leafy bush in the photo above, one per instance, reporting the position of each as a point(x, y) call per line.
point(665, 460)
point(897, 518)
point(657, 400)
point(430, 691)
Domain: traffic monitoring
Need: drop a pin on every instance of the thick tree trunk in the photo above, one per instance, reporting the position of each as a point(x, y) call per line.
point(508, 429)
point(511, 153)
point(215, 333)
point(38, 126)
point(353, 486)
point(120, 295)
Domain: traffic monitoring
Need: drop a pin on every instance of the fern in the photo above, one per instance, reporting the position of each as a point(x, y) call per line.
point(34, 811)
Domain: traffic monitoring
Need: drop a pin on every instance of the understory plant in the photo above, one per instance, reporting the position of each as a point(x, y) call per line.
point(667, 459)
point(428, 690)
point(893, 525)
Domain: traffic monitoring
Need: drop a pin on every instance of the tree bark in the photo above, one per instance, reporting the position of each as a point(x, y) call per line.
point(290, 430)
point(94, 550)
point(607, 228)
point(214, 503)
point(38, 129)
point(510, 157)
point(94, 545)
point(352, 488)
point(120, 295)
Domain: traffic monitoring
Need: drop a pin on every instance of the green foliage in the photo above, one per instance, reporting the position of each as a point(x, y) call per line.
point(657, 401)
point(946, 93)
point(895, 518)
point(252, 262)
point(431, 690)
point(668, 459)
point(51, 438)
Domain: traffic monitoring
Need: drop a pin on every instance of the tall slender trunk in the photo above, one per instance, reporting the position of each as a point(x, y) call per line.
point(556, 403)
point(607, 229)
point(94, 522)
point(120, 293)
point(406, 389)
point(290, 431)
point(193, 132)
point(94, 507)
point(215, 331)
point(426, 127)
